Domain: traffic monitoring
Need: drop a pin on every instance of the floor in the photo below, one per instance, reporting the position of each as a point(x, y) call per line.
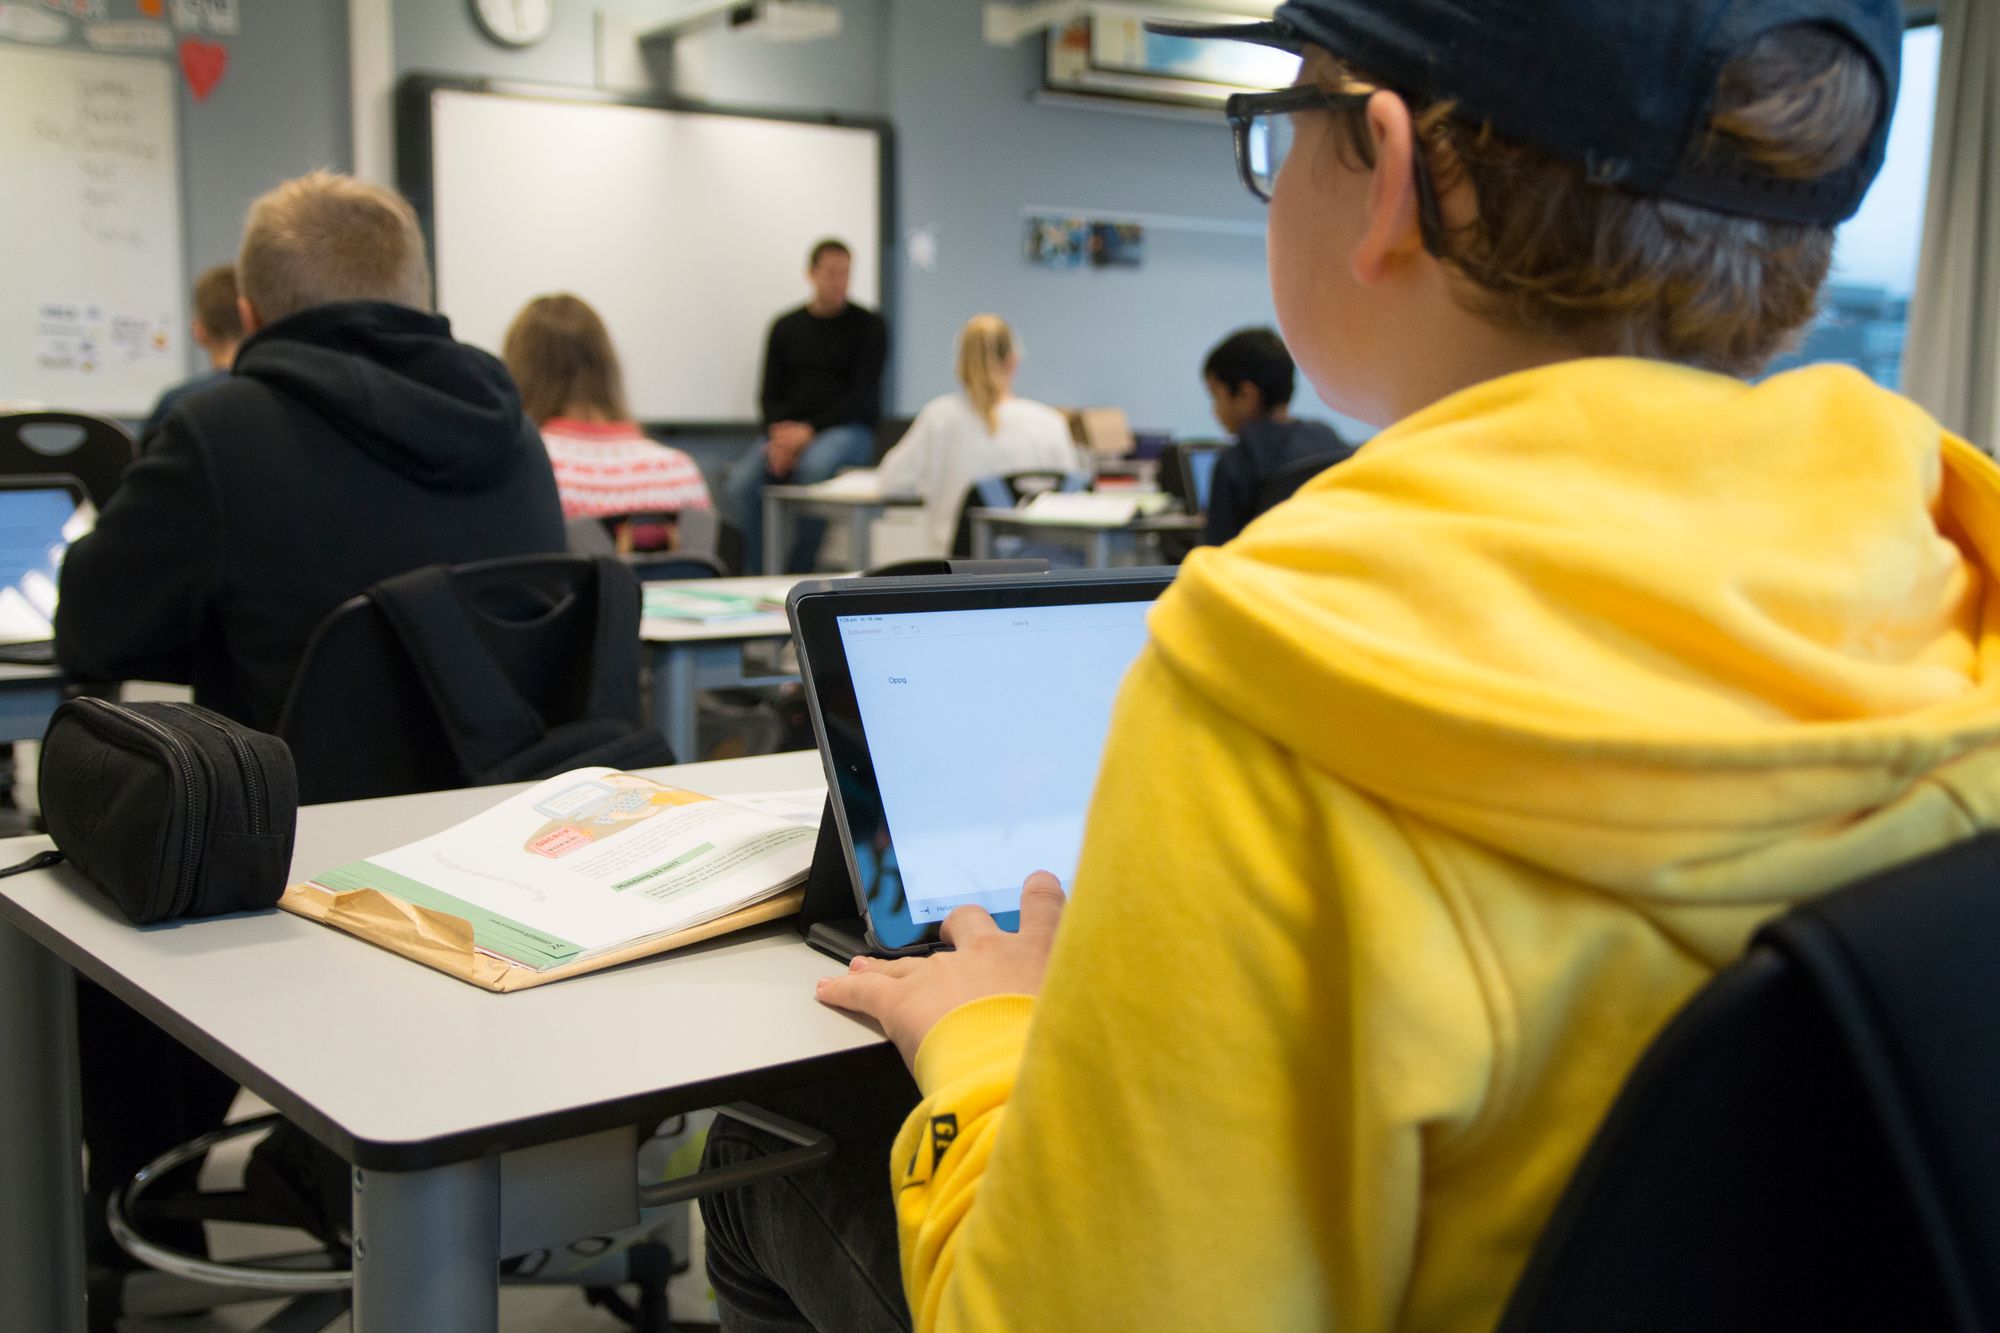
point(522, 1309)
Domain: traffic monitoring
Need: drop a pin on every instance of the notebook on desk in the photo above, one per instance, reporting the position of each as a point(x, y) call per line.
point(960, 721)
point(40, 517)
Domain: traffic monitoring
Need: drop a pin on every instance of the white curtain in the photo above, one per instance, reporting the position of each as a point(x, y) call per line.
point(1951, 363)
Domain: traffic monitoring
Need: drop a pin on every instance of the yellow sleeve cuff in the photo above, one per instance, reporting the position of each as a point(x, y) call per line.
point(983, 1036)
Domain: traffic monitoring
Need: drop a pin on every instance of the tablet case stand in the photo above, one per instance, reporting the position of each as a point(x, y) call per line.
point(827, 918)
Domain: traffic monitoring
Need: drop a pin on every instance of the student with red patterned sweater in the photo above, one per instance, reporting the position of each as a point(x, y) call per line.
point(560, 355)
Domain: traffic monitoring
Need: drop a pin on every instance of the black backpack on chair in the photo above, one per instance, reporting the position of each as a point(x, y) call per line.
point(499, 671)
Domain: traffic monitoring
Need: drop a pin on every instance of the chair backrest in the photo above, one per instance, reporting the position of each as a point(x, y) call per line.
point(94, 450)
point(1005, 491)
point(1281, 485)
point(588, 536)
point(888, 431)
point(1810, 1143)
point(706, 532)
point(1176, 472)
point(373, 713)
point(659, 566)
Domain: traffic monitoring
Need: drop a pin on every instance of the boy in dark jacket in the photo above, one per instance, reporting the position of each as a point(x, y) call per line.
point(355, 440)
point(1250, 378)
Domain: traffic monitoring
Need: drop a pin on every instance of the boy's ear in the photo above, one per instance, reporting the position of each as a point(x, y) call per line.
point(248, 314)
point(1394, 233)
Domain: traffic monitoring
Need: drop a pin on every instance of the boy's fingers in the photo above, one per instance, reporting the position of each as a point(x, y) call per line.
point(869, 993)
point(892, 967)
point(966, 924)
point(1042, 902)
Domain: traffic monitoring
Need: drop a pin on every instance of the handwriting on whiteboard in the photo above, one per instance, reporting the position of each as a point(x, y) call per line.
point(101, 128)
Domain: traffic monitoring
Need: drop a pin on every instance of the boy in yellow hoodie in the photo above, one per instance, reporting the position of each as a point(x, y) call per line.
point(1441, 788)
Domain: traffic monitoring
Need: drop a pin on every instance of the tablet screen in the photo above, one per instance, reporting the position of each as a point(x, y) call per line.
point(37, 525)
point(985, 728)
point(962, 722)
point(1200, 478)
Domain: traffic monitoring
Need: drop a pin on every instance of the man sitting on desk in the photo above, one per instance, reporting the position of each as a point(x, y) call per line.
point(822, 393)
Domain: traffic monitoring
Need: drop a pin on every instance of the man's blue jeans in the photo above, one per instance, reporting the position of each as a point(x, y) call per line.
point(831, 450)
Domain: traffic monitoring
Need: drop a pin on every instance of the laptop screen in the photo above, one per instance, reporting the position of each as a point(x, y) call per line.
point(985, 728)
point(37, 525)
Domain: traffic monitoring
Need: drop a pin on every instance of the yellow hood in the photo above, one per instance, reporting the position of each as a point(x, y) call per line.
point(1646, 627)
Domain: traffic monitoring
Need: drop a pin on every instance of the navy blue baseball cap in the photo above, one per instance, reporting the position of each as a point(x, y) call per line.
point(1623, 87)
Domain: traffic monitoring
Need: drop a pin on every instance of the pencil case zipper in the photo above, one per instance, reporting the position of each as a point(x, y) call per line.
point(255, 799)
point(194, 809)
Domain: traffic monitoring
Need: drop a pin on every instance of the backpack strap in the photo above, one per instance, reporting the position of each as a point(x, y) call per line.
point(484, 716)
point(614, 660)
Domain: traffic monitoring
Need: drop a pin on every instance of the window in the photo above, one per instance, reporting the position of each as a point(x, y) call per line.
point(1865, 312)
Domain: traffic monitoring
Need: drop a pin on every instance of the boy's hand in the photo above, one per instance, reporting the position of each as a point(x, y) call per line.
point(907, 996)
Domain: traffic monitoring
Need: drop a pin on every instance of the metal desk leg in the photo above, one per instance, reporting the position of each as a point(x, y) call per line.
point(675, 699)
point(777, 533)
point(1100, 549)
point(982, 539)
point(41, 1150)
point(427, 1249)
point(859, 517)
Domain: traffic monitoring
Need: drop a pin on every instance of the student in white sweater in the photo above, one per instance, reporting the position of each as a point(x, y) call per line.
point(984, 431)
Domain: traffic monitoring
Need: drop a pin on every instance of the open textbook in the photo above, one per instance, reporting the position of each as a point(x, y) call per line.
point(578, 872)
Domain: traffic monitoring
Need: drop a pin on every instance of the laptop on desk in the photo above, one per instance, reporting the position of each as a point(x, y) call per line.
point(39, 518)
point(960, 721)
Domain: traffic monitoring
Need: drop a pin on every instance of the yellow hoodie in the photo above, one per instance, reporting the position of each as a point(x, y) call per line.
point(1436, 793)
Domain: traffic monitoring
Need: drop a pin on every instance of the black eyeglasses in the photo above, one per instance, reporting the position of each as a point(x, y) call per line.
point(1262, 124)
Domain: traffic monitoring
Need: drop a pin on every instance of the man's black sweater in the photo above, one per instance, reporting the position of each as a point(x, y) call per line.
point(354, 441)
point(825, 370)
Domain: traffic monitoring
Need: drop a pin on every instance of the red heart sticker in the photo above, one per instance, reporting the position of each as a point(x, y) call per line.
point(203, 63)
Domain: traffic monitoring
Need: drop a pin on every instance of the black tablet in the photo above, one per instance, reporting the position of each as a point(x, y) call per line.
point(961, 720)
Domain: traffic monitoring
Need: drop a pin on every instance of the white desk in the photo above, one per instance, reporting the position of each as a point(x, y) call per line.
point(421, 1081)
point(28, 694)
point(1102, 546)
point(691, 655)
point(860, 510)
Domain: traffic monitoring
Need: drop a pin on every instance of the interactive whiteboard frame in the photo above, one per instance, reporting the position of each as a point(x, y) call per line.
point(417, 178)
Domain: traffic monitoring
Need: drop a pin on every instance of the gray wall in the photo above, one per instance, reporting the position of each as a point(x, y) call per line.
point(975, 151)
point(281, 109)
point(973, 154)
point(843, 73)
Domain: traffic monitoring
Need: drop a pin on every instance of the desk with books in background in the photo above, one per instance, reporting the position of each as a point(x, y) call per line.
point(697, 631)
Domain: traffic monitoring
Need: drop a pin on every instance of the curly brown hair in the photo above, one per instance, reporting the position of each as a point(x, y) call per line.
point(1618, 273)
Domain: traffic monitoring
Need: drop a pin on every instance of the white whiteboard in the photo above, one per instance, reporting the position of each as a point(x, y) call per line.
point(92, 298)
point(688, 231)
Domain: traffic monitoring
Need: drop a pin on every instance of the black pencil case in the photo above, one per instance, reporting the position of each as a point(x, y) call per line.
point(172, 810)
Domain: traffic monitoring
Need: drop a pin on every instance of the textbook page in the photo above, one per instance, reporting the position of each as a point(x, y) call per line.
point(589, 861)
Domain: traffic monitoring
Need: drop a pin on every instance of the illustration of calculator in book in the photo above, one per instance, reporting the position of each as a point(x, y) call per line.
point(596, 807)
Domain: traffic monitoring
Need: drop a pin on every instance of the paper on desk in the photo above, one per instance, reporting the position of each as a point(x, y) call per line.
point(578, 866)
point(862, 483)
point(1082, 508)
point(801, 805)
